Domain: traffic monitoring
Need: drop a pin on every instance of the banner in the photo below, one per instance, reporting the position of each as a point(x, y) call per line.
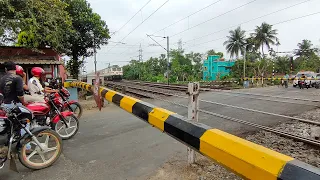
point(96, 93)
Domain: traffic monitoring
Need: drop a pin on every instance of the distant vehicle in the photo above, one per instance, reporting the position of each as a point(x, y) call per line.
point(317, 81)
point(309, 78)
point(113, 73)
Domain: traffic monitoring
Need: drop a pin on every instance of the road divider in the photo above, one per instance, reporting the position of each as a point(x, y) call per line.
point(248, 160)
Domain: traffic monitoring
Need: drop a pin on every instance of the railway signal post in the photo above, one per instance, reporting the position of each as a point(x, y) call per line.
point(193, 109)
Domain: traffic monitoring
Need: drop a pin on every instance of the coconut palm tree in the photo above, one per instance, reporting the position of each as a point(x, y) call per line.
point(305, 48)
point(264, 35)
point(236, 42)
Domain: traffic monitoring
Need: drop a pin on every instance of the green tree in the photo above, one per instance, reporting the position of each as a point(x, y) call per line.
point(212, 52)
point(235, 44)
point(282, 64)
point(264, 35)
point(35, 24)
point(305, 48)
point(90, 32)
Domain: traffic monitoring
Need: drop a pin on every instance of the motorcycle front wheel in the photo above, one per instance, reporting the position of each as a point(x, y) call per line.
point(67, 132)
point(76, 108)
point(31, 155)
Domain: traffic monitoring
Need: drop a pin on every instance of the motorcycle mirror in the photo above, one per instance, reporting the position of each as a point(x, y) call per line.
point(1, 97)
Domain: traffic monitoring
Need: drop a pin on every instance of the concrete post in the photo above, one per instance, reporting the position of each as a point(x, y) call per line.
point(124, 89)
point(193, 107)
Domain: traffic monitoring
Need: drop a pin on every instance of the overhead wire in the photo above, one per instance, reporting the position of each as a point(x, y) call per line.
point(141, 23)
point(133, 16)
point(214, 17)
point(188, 16)
point(268, 14)
point(281, 22)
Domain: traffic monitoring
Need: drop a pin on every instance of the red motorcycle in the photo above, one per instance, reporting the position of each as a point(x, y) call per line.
point(71, 105)
point(65, 123)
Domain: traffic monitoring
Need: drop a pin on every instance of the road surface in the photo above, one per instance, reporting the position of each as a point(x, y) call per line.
point(114, 144)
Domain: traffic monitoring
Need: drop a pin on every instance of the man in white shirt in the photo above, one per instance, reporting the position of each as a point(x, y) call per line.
point(35, 87)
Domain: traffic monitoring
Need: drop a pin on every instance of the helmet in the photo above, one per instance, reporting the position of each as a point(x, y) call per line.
point(37, 71)
point(19, 70)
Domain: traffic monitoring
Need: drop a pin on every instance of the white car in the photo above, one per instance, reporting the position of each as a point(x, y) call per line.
point(309, 78)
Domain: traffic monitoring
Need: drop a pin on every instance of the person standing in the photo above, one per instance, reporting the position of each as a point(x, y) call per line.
point(286, 80)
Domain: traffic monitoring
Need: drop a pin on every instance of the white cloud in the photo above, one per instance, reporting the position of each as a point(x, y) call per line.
point(116, 13)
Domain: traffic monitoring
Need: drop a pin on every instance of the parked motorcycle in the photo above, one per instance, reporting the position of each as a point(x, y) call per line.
point(45, 145)
point(71, 105)
point(65, 123)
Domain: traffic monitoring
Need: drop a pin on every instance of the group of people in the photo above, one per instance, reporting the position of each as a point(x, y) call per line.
point(15, 90)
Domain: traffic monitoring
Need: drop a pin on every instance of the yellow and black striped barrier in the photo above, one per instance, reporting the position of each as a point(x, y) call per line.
point(269, 79)
point(248, 160)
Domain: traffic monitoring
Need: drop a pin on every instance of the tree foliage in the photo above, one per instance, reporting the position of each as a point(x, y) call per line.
point(235, 44)
point(35, 24)
point(212, 52)
point(184, 67)
point(90, 32)
point(68, 26)
point(264, 35)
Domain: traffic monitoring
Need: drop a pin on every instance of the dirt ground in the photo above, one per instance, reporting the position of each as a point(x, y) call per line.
point(203, 169)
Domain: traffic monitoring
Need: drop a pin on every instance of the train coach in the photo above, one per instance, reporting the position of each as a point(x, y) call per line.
point(113, 74)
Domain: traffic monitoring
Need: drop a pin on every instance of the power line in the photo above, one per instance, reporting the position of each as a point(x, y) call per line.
point(288, 7)
point(214, 18)
point(142, 22)
point(133, 16)
point(188, 16)
point(281, 22)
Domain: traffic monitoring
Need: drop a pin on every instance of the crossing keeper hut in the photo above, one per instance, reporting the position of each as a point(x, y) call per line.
point(46, 58)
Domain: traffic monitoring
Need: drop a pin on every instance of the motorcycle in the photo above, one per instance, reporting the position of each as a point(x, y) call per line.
point(302, 84)
point(38, 148)
point(71, 105)
point(51, 114)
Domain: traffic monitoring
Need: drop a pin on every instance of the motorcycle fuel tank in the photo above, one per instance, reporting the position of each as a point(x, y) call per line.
point(38, 108)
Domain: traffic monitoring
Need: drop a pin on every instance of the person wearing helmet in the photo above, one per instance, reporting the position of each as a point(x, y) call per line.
point(35, 86)
point(22, 74)
point(27, 96)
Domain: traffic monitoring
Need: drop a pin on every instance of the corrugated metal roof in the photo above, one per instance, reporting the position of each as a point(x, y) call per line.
point(27, 61)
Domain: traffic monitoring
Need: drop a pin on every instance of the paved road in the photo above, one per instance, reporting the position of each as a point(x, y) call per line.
point(113, 144)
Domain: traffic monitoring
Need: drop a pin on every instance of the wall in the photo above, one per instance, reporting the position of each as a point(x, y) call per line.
point(213, 66)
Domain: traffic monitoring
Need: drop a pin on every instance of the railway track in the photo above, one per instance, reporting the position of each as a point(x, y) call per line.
point(178, 87)
point(149, 93)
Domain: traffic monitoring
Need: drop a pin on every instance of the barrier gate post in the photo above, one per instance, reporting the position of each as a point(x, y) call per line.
point(193, 107)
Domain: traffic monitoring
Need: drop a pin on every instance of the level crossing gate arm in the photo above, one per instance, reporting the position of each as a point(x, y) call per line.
point(248, 160)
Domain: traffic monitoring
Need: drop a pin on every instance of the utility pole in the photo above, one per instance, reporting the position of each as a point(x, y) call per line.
point(167, 49)
point(168, 59)
point(95, 54)
point(140, 54)
point(140, 60)
point(244, 65)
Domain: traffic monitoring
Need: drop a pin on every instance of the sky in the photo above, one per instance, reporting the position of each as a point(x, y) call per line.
point(203, 25)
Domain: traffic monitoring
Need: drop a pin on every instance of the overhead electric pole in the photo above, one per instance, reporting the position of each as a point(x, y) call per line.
point(168, 52)
point(168, 59)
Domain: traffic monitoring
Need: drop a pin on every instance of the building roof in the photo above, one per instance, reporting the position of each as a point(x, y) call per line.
point(26, 61)
point(21, 55)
